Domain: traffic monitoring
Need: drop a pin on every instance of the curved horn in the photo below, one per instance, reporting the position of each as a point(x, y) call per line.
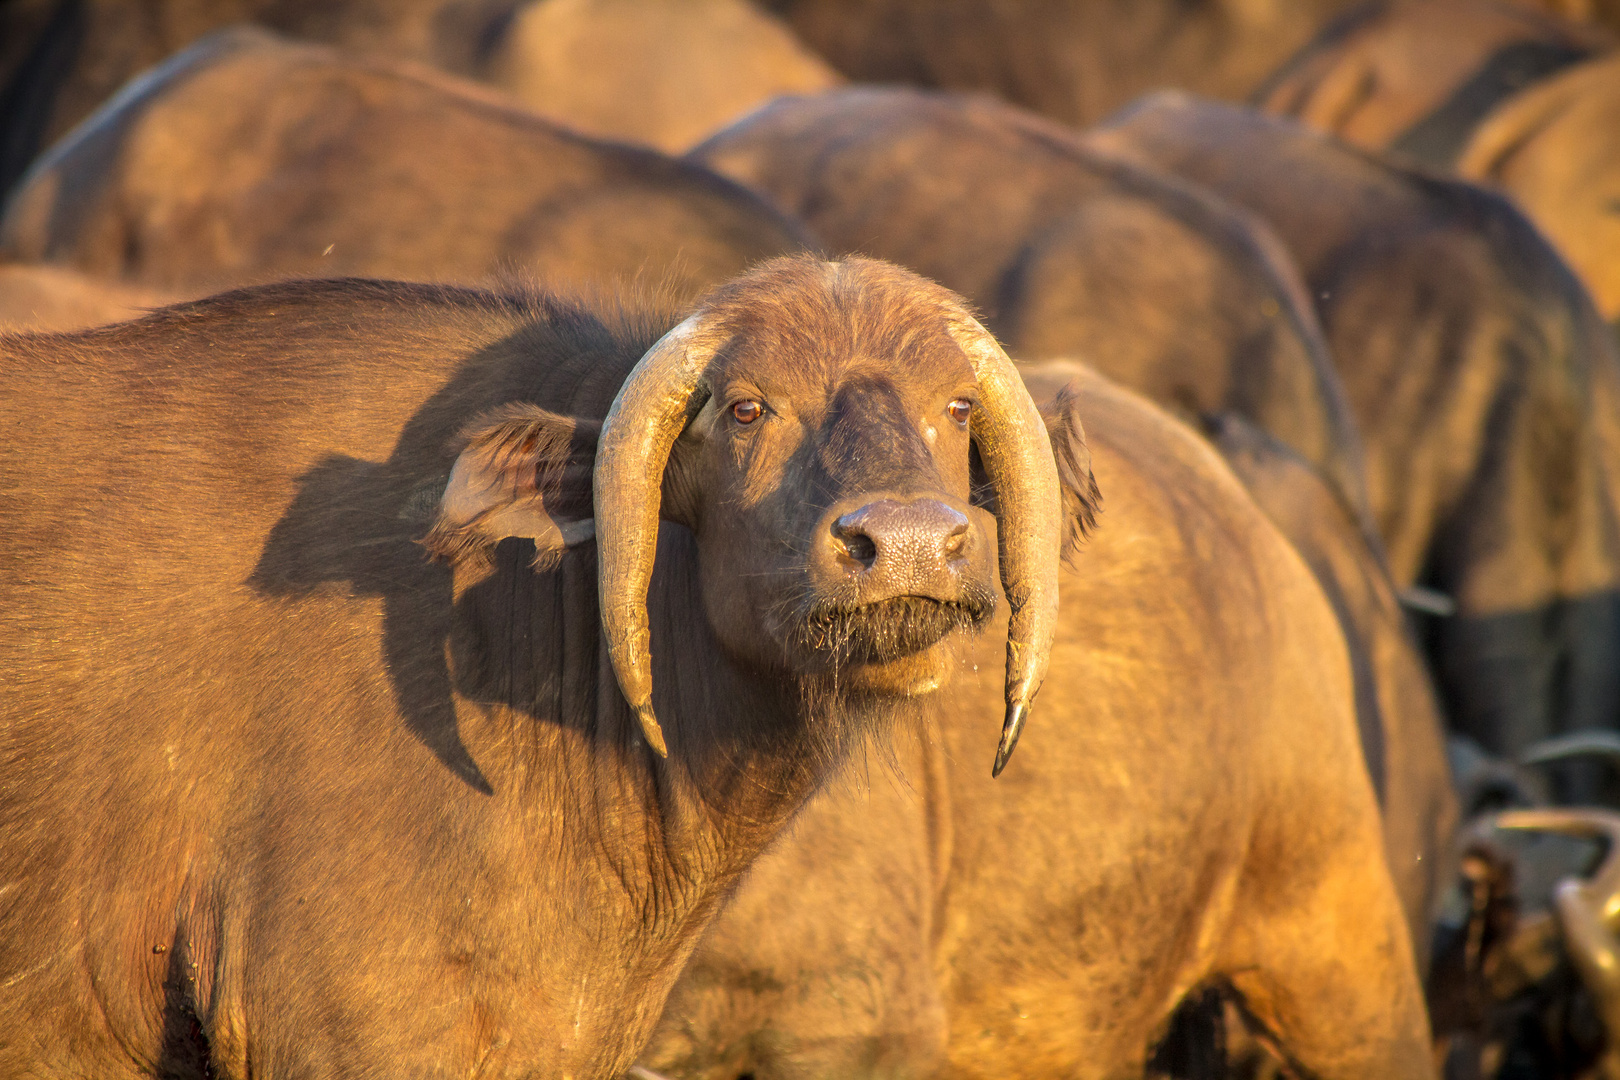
point(1587, 910)
point(1017, 455)
point(657, 400)
point(1604, 884)
point(1605, 744)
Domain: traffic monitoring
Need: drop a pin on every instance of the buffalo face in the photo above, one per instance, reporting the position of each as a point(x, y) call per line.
point(836, 530)
point(813, 425)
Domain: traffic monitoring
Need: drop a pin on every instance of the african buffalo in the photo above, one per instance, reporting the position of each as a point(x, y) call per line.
point(1483, 380)
point(1191, 811)
point(48, 298)
point(249, 157)
point(1069, 251)
point(1417, 76)
point(1556, 149)
point(280, 796)
point(664, 72)
point(1075, 61)
point(61, 59)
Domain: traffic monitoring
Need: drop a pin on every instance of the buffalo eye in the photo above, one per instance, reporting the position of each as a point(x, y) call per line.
point(960, 409)
point(746, 412)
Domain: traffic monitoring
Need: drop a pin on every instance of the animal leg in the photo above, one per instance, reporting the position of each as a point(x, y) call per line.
point(1324, 967)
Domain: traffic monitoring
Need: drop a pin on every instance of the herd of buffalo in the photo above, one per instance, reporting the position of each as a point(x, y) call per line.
point(531, 531)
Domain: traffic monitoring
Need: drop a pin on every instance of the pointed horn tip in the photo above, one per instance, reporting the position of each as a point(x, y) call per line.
point(650, 729)
point(1011, 728)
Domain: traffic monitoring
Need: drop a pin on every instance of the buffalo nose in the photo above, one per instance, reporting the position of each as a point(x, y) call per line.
point(904, 539)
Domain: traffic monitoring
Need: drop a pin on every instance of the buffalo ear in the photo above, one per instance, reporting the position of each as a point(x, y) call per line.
point(522, 471)
point(1082, 502)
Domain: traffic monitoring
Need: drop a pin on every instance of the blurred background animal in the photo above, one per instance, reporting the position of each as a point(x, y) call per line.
point(1483, 381)
point(249, 157)
point(1069, 251)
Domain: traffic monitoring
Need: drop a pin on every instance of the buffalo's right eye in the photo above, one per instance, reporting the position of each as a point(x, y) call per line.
point(746, 412)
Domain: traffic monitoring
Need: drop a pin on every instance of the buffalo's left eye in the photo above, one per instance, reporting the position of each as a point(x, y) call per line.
point(960, 409)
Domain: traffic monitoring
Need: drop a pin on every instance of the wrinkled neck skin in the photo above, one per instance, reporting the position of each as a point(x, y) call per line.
point(655, 843)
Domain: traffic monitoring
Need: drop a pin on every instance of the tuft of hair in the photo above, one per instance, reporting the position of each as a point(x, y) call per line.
point(805, 307)
point(1082, 499)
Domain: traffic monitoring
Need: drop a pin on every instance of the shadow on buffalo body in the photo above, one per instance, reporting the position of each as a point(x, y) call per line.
point(503, 634)
point(512, 635)
point(349, 530)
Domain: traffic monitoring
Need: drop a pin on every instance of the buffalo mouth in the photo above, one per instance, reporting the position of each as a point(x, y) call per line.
point(884, 630)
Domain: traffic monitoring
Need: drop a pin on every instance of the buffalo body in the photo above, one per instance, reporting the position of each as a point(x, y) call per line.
point(248, 157)
point(1484, 383)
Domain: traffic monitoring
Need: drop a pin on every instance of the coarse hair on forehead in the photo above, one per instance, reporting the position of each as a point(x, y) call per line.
point(812, 313)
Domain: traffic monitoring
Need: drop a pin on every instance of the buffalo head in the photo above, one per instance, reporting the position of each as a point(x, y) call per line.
point(817, 426)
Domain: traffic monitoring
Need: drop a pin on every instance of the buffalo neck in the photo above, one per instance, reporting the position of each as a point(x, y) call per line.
point(747, 748)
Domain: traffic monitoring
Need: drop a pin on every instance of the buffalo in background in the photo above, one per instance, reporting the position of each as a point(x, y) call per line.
point(1484, 384)
point(248, 157)
point(642, 70)
point(1556, 150)
point(46, 298)
point(1076, 62)
point(1068, 250)
point(1501, 95)
point(1416, 77)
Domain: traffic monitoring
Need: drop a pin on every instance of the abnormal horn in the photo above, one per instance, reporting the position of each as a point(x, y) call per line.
point(1588, 911)
point(1604, 884)
point(657, 400)
point(1017, 455)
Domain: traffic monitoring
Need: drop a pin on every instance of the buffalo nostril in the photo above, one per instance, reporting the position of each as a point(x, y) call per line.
point(904, 537)
point(859, 546)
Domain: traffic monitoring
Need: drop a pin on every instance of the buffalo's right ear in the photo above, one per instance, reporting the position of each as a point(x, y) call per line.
point(1081, 499)
point(522, 471)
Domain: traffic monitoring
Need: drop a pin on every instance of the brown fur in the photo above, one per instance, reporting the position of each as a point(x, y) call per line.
point(48, 299)
point(1398, 713)
point(1069, 251)
point(1074, 61)
point(1196, 812)
point(1556, 150)
point(1481, 376)
point(248, 157)
point(661, 72)
point(1417, 75)
point(61, 59)
point(1604, 13)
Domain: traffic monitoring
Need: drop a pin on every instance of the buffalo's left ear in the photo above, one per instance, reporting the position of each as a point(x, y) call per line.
point(522, 471)
point(1081, 500)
